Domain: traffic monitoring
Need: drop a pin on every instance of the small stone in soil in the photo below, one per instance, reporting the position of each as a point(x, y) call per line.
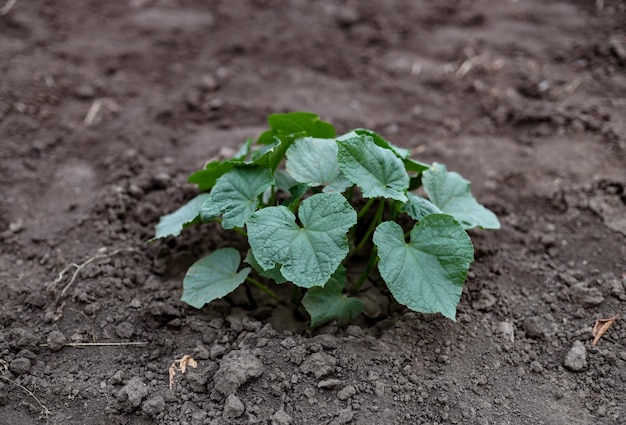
point(135, 391)
point(535, 327)
point(329, 383)
point(281, 418)
point(586, 297)
point(233, 407)
point(236, 368)
point(576, 359)
point(124, 330)
point(20, 365)
point(327, 341)
point(346, 392)
point(319, 364)
point(153, 406)
point(345, 416)
point(507, 330)
point(56, 340)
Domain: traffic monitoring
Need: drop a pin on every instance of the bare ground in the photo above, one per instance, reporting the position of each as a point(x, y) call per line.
point(106, 107)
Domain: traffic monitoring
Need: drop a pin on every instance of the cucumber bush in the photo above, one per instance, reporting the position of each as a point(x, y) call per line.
point(300, 220)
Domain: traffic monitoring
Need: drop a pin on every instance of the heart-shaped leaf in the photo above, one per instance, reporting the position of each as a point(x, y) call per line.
point(213, 277)
point(426, 274)
point(451, 193)
point(308, 255)
point(174, 223)
point(314, 162)
point(235, 195)
point(329, 303)
point(377, 171)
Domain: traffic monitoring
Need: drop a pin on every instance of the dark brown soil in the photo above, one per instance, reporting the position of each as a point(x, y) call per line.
point(107, 106)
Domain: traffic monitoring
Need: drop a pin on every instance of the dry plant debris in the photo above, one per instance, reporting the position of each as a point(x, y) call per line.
point(601, 327)
point(181, 365)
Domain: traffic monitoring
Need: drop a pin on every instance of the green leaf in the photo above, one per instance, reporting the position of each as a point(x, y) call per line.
point(235, 195)
point(244, 151)
point(329, 303)
point(451, 193)
point(300, 122)
point(314, 162)
point(273, 273)
point(402, 153)
point(213, 277)
point(263, 156)
point(379, 141)
point(377, 171)
point(205, 179)
point(308, 255)
point(426, 274)
point(174, 223)
point(288, 127)
point(296, 191)
point(415, 166)
point(283, 180)
point(418, 207)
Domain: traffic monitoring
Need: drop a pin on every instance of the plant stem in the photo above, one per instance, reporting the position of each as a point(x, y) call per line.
point(240, 231)
point(377, 220)
point(273, 195)
point(371, 263)
point(366, 208)
point(263, 288)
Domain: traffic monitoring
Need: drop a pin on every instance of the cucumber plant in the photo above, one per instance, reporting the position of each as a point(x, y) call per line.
point(297, 194)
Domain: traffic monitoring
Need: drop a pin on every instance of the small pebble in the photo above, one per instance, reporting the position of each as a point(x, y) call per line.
point(233, 407)
point(56, 340)
point(346, 392)
point(20, 365)
point(576, 359)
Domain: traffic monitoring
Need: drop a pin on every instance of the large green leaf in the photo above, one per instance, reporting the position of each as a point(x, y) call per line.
point(235, 195)
point(314, 162)
point(213, 277)
point(308, 255)
point(418, 207)
point(329, 303)
point(378, 140)
point(426, 274)
point(377, 171)
point(206, 178)
point(307, 123)
point(288, 127)
point(174, 223)
point(451, 193)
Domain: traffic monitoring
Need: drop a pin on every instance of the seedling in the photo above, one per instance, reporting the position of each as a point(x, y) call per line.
point(300, 220)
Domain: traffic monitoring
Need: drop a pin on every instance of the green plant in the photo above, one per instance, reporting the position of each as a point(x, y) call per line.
point(300, 220)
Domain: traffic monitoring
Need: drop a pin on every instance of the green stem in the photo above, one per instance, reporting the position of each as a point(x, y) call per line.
point(273, 195)
point(263, 288)
point(240, 231)
point(371, 263)
point(366, 208)
point(377, 220)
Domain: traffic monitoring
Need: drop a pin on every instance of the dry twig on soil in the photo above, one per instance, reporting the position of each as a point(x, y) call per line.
point(7, 7)
point(45, 410)
point(100, 344)
point(79, 267)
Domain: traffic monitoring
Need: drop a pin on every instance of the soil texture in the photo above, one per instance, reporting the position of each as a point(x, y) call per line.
point(107, 106)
